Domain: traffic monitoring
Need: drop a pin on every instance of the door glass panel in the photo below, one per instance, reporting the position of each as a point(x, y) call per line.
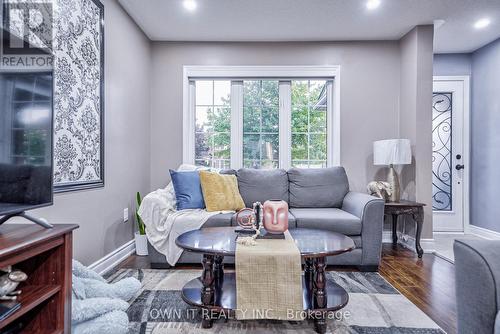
point(441, 151)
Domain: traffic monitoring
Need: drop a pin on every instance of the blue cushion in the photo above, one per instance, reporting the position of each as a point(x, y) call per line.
point(187, 189)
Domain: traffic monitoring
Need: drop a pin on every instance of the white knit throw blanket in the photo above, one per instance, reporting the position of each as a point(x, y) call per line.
point(164, 223)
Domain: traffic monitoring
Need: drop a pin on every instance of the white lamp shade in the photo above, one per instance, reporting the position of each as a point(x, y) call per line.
point(392, 152)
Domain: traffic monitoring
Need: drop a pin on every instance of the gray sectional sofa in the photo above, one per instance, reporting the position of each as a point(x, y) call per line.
point(317, 198)
point(477, 277)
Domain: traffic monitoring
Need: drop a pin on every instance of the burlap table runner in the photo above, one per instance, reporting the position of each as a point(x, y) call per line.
point(269, 280)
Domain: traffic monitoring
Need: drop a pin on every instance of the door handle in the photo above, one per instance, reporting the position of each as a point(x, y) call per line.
point(459, 167)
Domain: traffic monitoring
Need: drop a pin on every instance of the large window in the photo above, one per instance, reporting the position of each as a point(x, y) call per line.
point(234, 121)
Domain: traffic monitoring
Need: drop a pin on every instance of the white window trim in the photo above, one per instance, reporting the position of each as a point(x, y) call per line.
point(285, 119)
point(236, 125)
point(278, 72)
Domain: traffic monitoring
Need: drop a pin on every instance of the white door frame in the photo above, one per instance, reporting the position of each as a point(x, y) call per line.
point(465, 81)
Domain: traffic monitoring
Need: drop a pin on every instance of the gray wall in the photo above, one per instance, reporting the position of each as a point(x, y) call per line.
point(452, 64)
point(415, 119)
point(99, 212)
point(485, 137)
point(369, 94)
point(483, 66)
point(144, 115)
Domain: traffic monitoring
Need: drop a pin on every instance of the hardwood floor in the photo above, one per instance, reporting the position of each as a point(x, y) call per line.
point(429, 282)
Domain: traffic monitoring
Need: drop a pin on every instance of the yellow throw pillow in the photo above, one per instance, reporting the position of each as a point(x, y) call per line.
point(220, 192)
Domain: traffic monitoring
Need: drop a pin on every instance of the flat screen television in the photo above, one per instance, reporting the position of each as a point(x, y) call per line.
point(26, 109)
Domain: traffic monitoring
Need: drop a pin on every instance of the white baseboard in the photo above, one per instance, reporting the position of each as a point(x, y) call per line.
point(484, 233)
point(111, 260)
point(408, 241)
point(428, 245)
point(387, 237)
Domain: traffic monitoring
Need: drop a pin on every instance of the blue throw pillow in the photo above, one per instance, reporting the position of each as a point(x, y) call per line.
point(187, 189)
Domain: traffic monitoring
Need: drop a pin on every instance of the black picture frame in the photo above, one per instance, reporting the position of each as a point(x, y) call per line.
point(84, 185)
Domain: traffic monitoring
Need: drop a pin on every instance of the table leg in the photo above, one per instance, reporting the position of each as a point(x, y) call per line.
point(208, 289)
point(320, 301)
point(419, 219)
point(309, 272)
point(219, 268)
point(394, 230)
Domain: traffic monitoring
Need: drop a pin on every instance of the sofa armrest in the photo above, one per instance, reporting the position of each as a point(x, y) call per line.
point(497, 323)
point(370, 210)
point(477, 279)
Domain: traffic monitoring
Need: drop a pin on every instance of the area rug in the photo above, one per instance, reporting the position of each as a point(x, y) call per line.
point(374, 307)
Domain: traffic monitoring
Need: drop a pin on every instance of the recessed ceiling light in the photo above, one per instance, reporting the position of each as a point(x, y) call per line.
point(372, 4)
point(189, 5)
point(482, 23)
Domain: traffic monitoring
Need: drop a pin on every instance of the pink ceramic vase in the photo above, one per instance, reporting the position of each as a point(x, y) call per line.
point(275, 216)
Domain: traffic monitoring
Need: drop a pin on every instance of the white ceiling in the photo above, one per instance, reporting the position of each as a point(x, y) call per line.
point(316, 20)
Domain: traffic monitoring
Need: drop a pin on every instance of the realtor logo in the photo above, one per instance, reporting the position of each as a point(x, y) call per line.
point(26, 36)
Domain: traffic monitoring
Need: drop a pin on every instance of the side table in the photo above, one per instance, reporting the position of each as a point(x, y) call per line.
point(415, 210)
point(44, 254)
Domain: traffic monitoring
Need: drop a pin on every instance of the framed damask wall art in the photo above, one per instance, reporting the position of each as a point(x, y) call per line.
point(78, 94)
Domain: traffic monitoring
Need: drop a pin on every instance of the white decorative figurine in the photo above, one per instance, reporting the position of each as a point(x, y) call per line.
point(380, 189)
point(9, 282)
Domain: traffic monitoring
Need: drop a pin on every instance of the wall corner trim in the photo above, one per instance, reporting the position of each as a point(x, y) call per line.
point(113, 259)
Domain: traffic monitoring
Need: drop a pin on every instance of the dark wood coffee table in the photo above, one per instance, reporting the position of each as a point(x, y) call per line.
point(215, 291)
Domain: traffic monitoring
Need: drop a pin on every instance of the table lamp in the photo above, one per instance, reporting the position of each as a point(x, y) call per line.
point(392, 152)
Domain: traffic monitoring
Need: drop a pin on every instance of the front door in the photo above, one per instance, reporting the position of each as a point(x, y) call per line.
point(449, 152)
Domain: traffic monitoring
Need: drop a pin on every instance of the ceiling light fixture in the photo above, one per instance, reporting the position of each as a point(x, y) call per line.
point(482, 23)
point(189, 5)
point(372, 4)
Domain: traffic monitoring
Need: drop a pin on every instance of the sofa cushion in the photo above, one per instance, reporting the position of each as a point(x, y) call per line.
point(259, 185)
point(292, 222)
point(331, 219)
point(228, 172)
point(317, 187)
point(229, 219)
point(219, 220)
